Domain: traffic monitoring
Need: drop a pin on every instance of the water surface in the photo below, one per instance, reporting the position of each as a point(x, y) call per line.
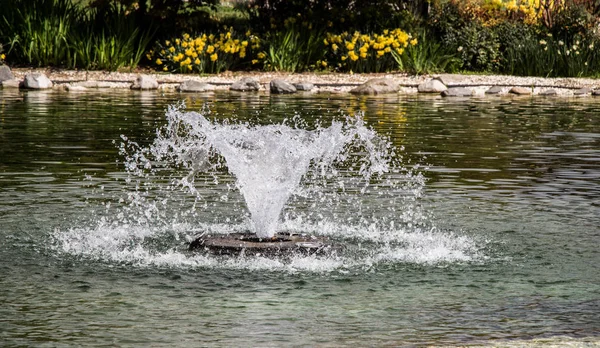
point(495, 239)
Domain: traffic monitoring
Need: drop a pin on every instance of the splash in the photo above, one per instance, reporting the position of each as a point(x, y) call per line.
point(341, 180)
point(268, 162)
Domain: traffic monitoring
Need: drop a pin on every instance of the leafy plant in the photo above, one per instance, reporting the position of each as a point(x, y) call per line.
point(37, 30)
point(292, 50)
point(428, 57)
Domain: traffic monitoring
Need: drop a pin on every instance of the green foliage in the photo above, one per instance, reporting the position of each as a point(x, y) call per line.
point(109, 39)
point(173, 17)
point(59, 33)
point(476, 45)
point(428, 57)
point(292, 50)
point(37, 31)
point(537, 54)
point(350, 15)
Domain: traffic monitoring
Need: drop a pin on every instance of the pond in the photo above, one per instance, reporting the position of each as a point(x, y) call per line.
point(485, 233)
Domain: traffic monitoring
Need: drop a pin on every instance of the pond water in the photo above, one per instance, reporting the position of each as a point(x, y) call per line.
point(490, 232)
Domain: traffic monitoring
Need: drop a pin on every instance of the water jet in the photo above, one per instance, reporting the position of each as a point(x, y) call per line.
point(269, 163)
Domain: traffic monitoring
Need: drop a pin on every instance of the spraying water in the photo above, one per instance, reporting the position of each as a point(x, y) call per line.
point(339, 180)
point(268, 162)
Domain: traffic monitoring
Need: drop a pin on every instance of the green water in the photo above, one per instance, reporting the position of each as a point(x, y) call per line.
point(504, 244)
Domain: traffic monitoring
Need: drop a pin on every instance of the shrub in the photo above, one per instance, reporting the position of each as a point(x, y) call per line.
point(207, 53)
point(364, 53)
point(476, 44)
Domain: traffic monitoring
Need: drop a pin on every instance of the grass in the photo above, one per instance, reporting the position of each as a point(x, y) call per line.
point(62, 34)
point(427, 57)
point(292, 50)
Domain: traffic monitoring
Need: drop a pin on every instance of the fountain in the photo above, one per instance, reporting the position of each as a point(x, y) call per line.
point(268, 163)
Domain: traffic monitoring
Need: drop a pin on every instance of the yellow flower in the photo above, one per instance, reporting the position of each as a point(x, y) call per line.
point(344, 58)
point(2, 56)
point(242, 54)
point(334, 47)
point(413, 42)
point(380, 53)
point(261, 55)
point(244, 43)
point(353, 56)
point(363, 55)
point(165, 68)
point(167, 43)
point(324, 64)
point(349, 46)
point(177, 41)
point(254, 61)
point(158, 61)
point(197, 61)
point(171, 49)
point(325, 42)
point(214, 57)
point(210, 49)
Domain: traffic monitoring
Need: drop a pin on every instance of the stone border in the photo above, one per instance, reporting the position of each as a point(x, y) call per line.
point(447, 85)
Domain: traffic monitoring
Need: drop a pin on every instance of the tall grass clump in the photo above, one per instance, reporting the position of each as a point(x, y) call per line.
point(109, 39)
point(294, 49)
point(36, 32)
point(62, 34)
point(428, 57)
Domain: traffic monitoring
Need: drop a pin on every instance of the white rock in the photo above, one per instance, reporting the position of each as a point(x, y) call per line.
point(37, 81)
point(432, 86)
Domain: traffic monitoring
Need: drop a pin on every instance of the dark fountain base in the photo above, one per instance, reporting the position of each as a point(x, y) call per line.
point(249, 244)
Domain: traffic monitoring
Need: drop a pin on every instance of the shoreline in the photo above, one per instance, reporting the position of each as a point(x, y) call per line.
point(324, 82)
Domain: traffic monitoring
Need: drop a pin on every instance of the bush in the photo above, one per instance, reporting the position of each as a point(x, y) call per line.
point(366, 53)
point(476, 45)
point(207, 53)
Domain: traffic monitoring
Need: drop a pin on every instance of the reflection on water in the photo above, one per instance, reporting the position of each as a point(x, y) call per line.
point(500, 245)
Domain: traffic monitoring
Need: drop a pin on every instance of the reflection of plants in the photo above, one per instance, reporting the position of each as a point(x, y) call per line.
point(427, 57)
